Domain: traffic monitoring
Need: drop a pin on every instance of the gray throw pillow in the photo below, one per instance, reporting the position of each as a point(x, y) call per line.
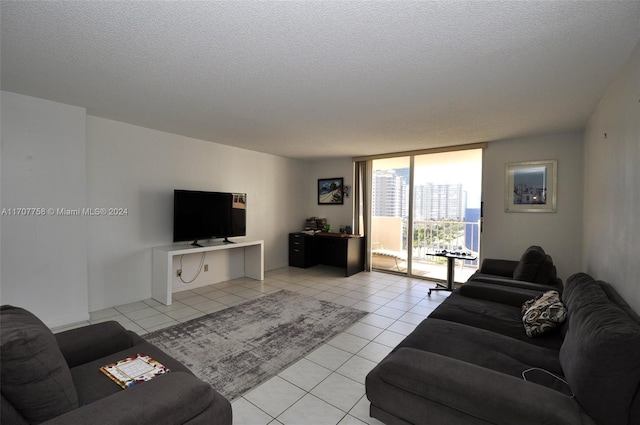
point(529, 264)
point(35, 377)
point(543, 313)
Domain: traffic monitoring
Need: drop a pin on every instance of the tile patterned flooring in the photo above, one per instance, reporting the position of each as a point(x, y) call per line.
point(326, 386)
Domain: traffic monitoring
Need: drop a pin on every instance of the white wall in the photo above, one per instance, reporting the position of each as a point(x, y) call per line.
point(612, 185)
point(44, 258)
point(336, 215)
point(138, 169)
point(507, 235)
point(55, 156)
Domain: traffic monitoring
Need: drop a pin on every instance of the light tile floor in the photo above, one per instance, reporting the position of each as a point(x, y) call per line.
point(327, 385)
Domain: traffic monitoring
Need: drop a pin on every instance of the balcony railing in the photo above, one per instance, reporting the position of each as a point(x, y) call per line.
point(428, 236)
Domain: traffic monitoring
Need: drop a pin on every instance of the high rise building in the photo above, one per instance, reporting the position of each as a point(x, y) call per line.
point(389, 194)
point(439, 201)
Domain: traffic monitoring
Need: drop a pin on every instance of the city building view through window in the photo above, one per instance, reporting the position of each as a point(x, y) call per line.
point(422, 204)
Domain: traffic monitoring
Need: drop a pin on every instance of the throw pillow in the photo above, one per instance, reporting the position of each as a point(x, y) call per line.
point(35, 377)
point(543, 313)
point(529, 264)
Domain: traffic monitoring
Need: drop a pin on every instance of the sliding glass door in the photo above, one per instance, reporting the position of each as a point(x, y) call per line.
point(446, 211)
point(422, 203)
point(390, 213)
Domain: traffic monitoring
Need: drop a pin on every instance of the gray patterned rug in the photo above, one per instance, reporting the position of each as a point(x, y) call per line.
point(242, 346)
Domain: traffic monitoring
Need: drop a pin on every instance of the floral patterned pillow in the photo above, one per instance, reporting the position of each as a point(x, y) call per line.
point(543, 313)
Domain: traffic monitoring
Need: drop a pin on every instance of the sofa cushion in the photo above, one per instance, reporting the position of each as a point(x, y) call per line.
point(615, 298)
point(543, 313)
point(35, 377)
point(87, 343)
point(530, 263)
point(480, 347)
point(598, 355)
point(169, 399)
point(500, 318)
point(504, 291)
point(572, 286)
point(547, 273)
point(9, 414)
point(93, 385)
point(420, 387)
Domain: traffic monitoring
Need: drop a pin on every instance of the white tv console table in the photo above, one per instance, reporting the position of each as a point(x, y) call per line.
point(162, 269)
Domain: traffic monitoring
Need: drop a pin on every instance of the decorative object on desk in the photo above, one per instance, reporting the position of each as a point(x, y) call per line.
point(330, 191)
point(133, 370)
point(242, 346)
point(531, 186)
point(315, 223)
point(336, 235)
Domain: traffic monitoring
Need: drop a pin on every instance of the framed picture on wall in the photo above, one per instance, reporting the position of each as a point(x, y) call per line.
point(531, 186)
point(331, 191)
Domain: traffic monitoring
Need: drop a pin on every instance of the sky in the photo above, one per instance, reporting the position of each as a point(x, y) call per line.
point(459, 167)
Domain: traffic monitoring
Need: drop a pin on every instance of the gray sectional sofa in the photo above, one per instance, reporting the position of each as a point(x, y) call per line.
point(470, 362)
point(56, 379)
point(535, 270)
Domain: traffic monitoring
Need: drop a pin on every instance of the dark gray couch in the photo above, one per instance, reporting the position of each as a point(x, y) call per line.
point(467, 363)
point(56, 379)
point(535, 270)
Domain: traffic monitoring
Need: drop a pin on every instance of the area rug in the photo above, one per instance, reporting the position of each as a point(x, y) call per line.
point(242, 346)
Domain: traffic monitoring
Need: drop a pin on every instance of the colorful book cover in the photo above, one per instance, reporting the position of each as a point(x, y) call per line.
point(133, 370)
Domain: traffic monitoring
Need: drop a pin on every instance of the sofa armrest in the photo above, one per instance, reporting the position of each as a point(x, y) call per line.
point(478, 392)
point(510, 295)
point(514, 283)
point(174, 398)
point(88, 343)
point(497, 267)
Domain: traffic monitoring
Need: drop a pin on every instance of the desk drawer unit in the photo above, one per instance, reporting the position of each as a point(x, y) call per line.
point(301, 250)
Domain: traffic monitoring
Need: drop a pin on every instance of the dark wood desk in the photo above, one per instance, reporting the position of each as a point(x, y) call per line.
point(451, 263)
point(331, 249)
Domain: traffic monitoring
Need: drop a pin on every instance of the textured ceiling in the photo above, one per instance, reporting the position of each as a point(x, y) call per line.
point(323, 79)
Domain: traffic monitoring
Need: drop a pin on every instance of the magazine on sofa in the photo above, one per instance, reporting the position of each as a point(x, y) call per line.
point(133, 370)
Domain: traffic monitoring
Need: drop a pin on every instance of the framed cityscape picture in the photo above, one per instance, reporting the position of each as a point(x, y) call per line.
point(531, 186)
point(330, 191)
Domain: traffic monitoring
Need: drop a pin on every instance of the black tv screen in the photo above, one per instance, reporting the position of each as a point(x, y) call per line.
point(199, 215)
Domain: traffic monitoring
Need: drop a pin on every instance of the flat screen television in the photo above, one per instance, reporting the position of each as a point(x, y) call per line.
point(199, 215)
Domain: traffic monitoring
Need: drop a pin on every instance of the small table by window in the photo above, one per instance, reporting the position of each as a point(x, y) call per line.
point(451, 262)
